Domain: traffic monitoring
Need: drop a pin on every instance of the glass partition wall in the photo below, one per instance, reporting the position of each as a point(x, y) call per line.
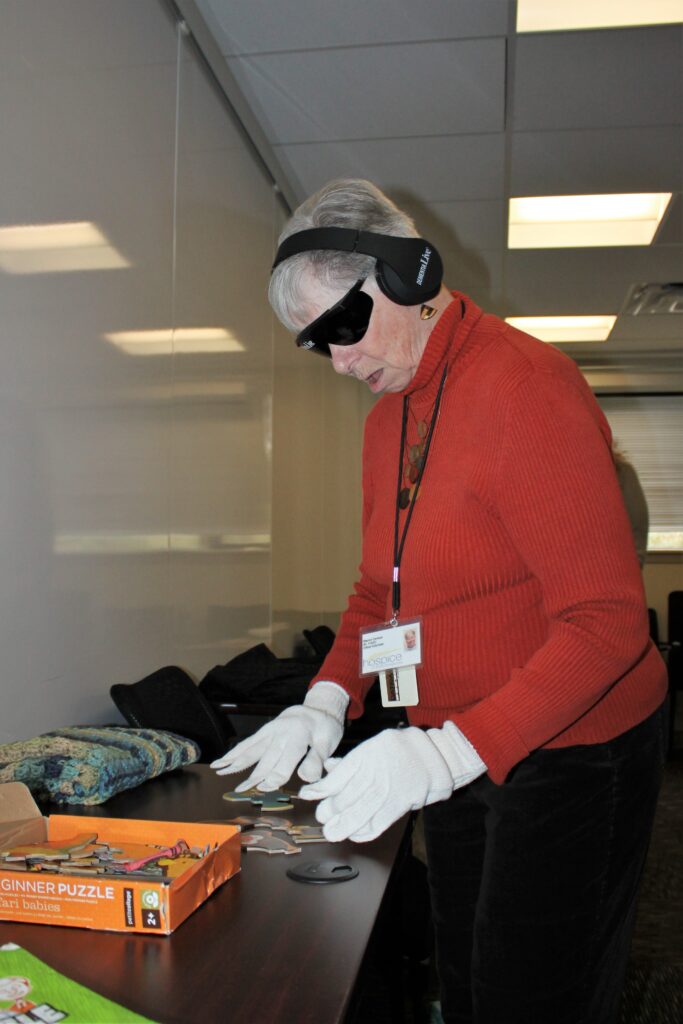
point(136, 347)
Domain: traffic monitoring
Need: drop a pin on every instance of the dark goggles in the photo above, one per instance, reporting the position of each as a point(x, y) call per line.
point(345, 323)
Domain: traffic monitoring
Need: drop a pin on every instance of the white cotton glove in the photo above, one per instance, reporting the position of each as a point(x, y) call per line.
point(315, 726)
point(397, 771)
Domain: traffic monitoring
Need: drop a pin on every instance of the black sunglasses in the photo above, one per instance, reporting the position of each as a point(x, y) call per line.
point(345, 323)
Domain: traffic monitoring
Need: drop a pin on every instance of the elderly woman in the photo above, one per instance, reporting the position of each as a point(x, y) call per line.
point(493, 527)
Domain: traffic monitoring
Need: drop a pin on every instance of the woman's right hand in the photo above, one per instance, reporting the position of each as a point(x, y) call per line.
point(311, 731)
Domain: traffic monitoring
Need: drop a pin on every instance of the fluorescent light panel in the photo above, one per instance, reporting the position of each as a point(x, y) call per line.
point(565, 328)
point(671, 540)
point(561, 15)
point(57, 248)
point(558, 222)
point(157, 543)
point(183, 341)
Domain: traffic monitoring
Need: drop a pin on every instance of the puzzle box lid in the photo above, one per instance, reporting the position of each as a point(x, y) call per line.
point(20, 817)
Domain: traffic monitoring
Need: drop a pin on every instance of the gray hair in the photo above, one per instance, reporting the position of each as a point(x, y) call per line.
point(343, 203)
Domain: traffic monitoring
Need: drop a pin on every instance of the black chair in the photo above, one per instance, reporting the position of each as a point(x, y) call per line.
point(674, 658)
point(321, 639)
point(676, 617)
point(169, 699)
point(256, 685)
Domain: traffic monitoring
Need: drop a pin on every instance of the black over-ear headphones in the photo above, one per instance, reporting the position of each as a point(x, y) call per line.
point(409, 270)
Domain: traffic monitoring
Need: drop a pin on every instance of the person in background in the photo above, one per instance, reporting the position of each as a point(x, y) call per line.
point(492, 525)
point(635, 501)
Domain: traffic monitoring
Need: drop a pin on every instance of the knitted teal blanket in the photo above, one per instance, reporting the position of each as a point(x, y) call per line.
point(89, 764)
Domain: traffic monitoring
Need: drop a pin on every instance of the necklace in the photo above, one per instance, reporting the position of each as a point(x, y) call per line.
point(413, 462)
point(414, 457)
point(400, 536)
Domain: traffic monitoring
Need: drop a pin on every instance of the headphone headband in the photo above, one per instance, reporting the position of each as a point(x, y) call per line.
point(409, 270)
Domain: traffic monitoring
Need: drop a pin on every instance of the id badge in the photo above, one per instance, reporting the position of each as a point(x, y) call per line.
point(393, 651)
point(398, 688)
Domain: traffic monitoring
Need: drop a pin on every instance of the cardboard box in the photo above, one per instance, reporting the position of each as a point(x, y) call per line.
point(105, 902)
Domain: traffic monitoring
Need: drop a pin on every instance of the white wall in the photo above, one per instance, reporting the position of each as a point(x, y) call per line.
point(135, 506)
point(317, 441)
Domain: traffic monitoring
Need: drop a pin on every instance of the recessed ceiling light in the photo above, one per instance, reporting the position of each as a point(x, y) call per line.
point(560, 15)
point(183, 341)
point(57, 248)
point(551, 222)
point(565, 328)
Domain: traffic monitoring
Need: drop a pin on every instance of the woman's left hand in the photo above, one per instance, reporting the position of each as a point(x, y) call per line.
point(397, 771)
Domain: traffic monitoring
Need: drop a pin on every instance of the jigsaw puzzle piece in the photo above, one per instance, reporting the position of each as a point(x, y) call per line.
point(247, 822)
point(247, 794)
point(51, 849)
point(276, 800)
point(263, 841)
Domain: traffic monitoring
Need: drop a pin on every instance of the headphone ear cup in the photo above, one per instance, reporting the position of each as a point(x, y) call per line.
point(391, 285)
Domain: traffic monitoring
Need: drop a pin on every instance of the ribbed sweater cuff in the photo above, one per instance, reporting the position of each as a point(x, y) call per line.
point(494, 738)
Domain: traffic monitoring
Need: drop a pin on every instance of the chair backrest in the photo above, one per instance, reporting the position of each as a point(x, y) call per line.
point(676, 617)
point(169, 699)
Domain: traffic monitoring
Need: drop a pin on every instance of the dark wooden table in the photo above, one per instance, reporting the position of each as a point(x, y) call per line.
point(262, 950)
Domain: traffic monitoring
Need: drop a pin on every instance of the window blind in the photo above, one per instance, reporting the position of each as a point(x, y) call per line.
point(649, 431)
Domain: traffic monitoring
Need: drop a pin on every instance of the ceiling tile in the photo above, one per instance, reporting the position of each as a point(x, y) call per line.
point(464, 224)
point(376, 92)
point(598, 79)
point(666, 327)
point(477, 274)
point(261, 26)
point(643, 159)
point(547, 282)
point(443, 168)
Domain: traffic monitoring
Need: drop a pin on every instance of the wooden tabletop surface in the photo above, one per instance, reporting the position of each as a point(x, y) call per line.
point(263, 949)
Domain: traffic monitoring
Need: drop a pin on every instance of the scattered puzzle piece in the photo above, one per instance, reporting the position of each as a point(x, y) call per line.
point(299, 833)
point(273, 801)
point(307, 834)
point(246, 822)
point(174, 867)
point(264, 821)
point(83, 855)
point(244, 794)
point(50, 849)
point(263, 841)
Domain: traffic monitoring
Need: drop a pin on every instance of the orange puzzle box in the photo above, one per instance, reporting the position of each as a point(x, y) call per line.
point(73, 893)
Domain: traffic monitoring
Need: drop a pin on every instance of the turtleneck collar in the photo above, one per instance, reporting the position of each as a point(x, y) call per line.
point(445, 342)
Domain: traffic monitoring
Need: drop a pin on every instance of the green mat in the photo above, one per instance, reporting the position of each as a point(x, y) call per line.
point(32, 991)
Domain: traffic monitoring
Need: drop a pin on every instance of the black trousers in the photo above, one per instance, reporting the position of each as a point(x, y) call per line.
point(533, 884)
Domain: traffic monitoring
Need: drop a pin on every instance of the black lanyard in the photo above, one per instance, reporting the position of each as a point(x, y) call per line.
point(399, 545)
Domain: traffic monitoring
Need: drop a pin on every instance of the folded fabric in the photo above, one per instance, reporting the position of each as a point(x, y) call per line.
point(257, 676)
point(89, 764)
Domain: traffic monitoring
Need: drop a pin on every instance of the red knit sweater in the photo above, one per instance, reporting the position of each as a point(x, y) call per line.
point(519, 556)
